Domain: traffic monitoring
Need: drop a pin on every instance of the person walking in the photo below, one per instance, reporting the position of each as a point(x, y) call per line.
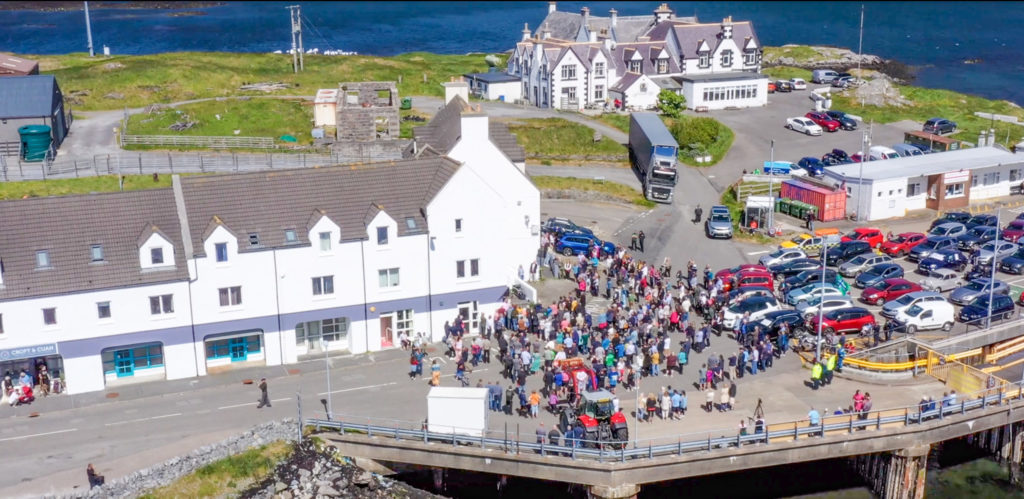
point(95, 480)
point(633, 242)
point(810, 221)
point(698, 213)
point(640, 238)
point(816, 370)
point(264, 397)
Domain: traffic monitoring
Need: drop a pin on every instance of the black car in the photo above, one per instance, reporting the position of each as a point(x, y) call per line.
point(975, 237)
point(982, 220)
point(783, 86)
point(793, 267)
point(562, 226)
point(953, 216)
point(1013, 264)
point(877, 274)
point(807, 277)
point(846, 250)
point(846, 122)
point(977, 311)
point(772, 321)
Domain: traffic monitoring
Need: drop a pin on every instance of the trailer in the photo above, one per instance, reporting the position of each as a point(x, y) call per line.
point(653, 153)
point(457, 410)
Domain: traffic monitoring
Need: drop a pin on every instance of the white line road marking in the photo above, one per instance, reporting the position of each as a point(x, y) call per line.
point(1015, 281)
point(343, 390)
point(467, 373)
point(754, 253)
point(251, 403)
point(144, 419)
point(38, 434)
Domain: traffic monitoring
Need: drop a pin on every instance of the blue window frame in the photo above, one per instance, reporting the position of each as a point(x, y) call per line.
point(222, 252)
point(125, 361)
point(237, 349)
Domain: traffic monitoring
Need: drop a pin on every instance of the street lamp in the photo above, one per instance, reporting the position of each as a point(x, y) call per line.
point(771, 184)
point(992, 276)
point(865, 143)
point(327, 362)
point(821, 308)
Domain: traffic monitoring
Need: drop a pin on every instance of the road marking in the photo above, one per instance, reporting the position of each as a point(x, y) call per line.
point(359, 388)
point(251, 403)
point(38, 434)
point(143, 419)
point(755, 253)
point(467, 373)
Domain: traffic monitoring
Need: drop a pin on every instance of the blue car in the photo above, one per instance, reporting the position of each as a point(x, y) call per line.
point(943, 259)
point(812, 165)
point(580, 244)
point(977, 311)
point(877, 274)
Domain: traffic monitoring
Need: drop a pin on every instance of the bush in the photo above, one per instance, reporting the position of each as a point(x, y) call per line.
point(701, 136)
point(671, 103)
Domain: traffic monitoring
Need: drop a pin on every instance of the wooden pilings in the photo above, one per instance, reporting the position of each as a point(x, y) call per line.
point(895, 475)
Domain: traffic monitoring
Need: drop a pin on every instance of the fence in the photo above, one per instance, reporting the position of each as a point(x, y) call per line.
point(828, 425)
point(211, 142)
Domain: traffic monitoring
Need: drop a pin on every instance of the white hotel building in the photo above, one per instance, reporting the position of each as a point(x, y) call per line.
point(263, 268)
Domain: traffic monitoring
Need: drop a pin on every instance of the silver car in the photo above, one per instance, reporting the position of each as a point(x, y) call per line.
point(941, 280)
point(719, 223)
point(948, 229)
point(826, 304)
point(860, 263)
point(1001, 249)
point(891, 308)
point(781, 256)
point(977, 287)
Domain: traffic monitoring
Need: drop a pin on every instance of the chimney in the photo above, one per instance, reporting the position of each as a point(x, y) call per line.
point(662, 13)
point(585, 11)
point(455, 88)
point(982, 138)
point(526, 31)
point(593, 36)
point(474, 124)
point(727, 28)
point(552, 6)
point(545, 33)
point(615, 17)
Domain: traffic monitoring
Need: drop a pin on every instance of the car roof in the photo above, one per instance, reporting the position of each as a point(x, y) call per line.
point(908, 234)
point(896, 280)
point(922, 294)
point(719, 207)
point(940, 238)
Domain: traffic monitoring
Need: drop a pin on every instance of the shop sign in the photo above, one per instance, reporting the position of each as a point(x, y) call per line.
point(28, 352)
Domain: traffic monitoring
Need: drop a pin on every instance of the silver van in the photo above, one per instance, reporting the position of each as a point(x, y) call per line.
point(823, 76)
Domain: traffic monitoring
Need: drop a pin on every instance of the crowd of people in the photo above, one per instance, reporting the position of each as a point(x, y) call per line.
point(22, 388)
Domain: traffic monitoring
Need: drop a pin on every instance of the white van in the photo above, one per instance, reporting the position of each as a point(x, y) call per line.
point(877, 153)
point(823, 75)
point(925, 315)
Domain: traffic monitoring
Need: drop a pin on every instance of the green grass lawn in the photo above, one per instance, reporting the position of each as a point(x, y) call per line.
point(801, 53)
point(543, 137)
point(227, 477)
point(252, 118)
point(83, 185)
point(787, 72)
point(178, 76)
point(615, 120)
point(612, 189)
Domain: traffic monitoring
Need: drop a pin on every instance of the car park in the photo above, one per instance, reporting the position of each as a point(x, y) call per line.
point(902, 243)
point(719, 223)
point(824, 304)
point(798, 83)
point(948, 229)
point(560, 226)
point(960, 217)
point(951, 259)
point(939, 126)
point(823, 75)
point(812, 166)
point(983, 286)
point(982, 220)
point(794, 267)
point(1013, 264)
point(807, 277)
point(772, 322)
point(810, 291)
point(845, 121)
point(977, 312)
point(1013, 232)
point(929, 246)
point(781, 256)
point(941, 280)
point(580, 244)
point(756, 306)
point(803, 125)
point(975, 237)
point(907, 150)
point(877, 274)
point(925, 316)
point(844, 320)
point(845, 251)
point(874, 237)
point(862, 262)
point(888, 290)
point(998, 249)
point(890, 309)
point(822, 120)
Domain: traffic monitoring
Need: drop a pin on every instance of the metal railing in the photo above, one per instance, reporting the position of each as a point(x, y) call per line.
point(609, 452)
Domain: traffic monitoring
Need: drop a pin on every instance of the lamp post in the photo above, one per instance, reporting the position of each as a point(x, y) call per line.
point(771, 185)
point(992, 276)
point(865, 143)
point(327, 362)
point(821, 309)
point(636, 420)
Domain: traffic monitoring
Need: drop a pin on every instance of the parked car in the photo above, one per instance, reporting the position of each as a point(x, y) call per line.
point(960, 217)
point(888, 290)
point(830, 159)
point(771, 87)
point(978, 311)
point(862, 262)
point(1014, 231)
point(925, 316)
point(807, 277)
point(877, 274)
point(874, 237)
point(783, 86)
point(998, 249)
point(749, 278)
point(845, 251)
point(757, 306)
point(781, 256)
point(727, 274)
point(879, 153)
point(782, 168)
point(844, 320)
point(840, 155)
point(561, 226)
point(810, 291)
point(975, 237)
point(982, 220)
point(929, 246)
point(738, 295)
point(941, 280)
point(812, 166)
point(907, 150)
point(944, 259)
point(948, 229)
point(824, 304)
point(798, 83)
point(983, 286)
point(580, 244)
point(811, 244)
point(902, 243)
point(772, 322)
point(793, 267)
point(891, 308)
point(1013, 264)
point(719, 223)
point(823, 75)
point(857, 157)
point(845, 122)
point(845, 81)
point(803, 125)
point(823, 121)
point(939, 126)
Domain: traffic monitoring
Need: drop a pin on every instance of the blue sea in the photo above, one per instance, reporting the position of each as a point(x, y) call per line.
point(934, 37)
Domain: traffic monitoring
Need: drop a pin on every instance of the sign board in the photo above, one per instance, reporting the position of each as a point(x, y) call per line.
point(28, 352)
point(956, 177)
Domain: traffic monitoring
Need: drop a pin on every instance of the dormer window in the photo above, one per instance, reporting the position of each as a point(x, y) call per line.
point(325, 241)
point(726, 58)
point(634, 66)
point(42, 259)
point(254, 239)
point(750, 57)
point(704, 61)
point(221, 249)
point(156, 256)
point(662, 66)
point(290, 237)
point(96, 253)
point(410, 223)
point(382, 235)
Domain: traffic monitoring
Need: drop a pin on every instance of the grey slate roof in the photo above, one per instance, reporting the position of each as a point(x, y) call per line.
point(495, 77)
point(690, 36)
point(629, 28)
point(27, 96)
point(445, 128)
point(268, 203)
point(625, 82)
point(562, 25)
point(68, 226)
point(622, 54)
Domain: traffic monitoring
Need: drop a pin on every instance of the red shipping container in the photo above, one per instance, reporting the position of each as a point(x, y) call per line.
point(831, 204)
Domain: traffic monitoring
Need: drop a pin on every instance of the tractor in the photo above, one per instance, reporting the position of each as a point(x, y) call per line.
point(596, 413)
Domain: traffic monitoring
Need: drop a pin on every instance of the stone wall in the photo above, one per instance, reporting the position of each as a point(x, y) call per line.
point(368, 152)
point(362, 105)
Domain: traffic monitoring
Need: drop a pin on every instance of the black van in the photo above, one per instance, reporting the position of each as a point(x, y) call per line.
point(845, 251)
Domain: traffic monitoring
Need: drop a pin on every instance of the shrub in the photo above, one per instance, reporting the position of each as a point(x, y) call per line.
point(671, 103)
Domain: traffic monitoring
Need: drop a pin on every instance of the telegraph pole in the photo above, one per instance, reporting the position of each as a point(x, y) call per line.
point(860, 49)
point(88, 30)
point(295, 14)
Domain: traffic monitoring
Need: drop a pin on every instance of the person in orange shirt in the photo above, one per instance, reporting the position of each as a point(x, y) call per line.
point(534, 403)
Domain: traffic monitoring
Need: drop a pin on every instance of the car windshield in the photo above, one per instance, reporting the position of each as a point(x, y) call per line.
point(898, 239)
point(853, 235)
point(929, 244)
point(938, 274)
point(810, 287)
point(798, 240)
point(914, 310)
point(940, 230)
point(979, 231)
point(604, 409)
point(777, 253)
point(719, 217)
point(905, 299)
point(988, 247)
point(975, 286)
point(981, 301)
point(858, 260)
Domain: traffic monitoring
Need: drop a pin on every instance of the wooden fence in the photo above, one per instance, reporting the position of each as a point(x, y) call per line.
point(212, 142)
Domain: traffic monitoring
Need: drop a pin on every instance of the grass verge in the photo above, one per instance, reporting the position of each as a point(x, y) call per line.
point(711, 135)
point(94, 83)
point(556, 138)
point(612, 189)
point(787, 72)
point(800, 53)
point(226, 477)
point(82, 185)
point(251, 118)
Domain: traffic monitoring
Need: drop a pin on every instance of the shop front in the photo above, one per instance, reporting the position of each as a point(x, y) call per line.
point(235, 349)
point(140, 362)
point(318, 336)
point(31, 359)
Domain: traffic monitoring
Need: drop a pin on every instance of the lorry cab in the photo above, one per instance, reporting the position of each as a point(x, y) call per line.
point(652, 153)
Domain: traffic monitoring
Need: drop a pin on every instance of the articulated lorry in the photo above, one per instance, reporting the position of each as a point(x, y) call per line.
point(652, 153)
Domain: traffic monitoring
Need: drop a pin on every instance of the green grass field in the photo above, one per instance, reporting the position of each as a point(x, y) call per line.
point(558, 137)
point(252, 118)
point(801, 53)
point(787, 72)
point(612, 189)
point(227, 477)
point(171, 77)
point(83, 185)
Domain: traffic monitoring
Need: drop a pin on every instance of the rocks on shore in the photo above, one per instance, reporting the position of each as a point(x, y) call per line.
point(827, 58)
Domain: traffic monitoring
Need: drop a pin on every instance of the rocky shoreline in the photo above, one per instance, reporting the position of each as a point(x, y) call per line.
point(75, 6)
point(839, 59)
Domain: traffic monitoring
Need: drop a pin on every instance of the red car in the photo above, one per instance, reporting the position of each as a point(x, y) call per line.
point(874, 237)
point(1014, 231)
point(753, 278)
point(843, 320)
point(727, 274)
point(888, 290)
point(902, 244)
point(824, 121)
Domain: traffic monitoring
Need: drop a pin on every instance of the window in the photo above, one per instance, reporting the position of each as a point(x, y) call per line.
point(643, 87)
point(323, 285)
point(163, 304)
point(156, 256)
point(125, 361)
point(458, 225)
point(222, 251)
point(42, 259)
point(290, 237)
point(569, 72)
point(50, 316)
point(569, 93)
point(254, 239)
point(460, 269)
point(334, 329)
point(726, 58)
point(96, 252)
point(410, 223)
point(1015, 175)
point(474, 267)
point(704, 61)
point(750, 57)
point(598, 92)
point(388, 278)
point(599, 70)
point(382, 235)
point(954, 190)
point(634, 66)
point(662, 66)
point(974, 180)
point(230, 296)
point(913, 189)
point(992, 178)
point(325, 240)
point(403, 321)
point(103, 309)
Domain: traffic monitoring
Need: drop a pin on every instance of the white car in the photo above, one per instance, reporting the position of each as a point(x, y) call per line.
point(831, 302)
point(798, 83)
point(781, 256)
point(757, 306)
point(803, 125)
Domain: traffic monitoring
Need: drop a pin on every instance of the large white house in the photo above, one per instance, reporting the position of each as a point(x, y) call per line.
point(262, 268)
point(575, 61)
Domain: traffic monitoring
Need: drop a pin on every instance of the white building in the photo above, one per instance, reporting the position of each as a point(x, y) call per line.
point(495, 86)
point(574, 61)
point(940, 181)
point(325, 107)
point(262, 268)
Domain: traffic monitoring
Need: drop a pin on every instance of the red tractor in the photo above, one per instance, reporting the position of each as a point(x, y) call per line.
point(596, 413)
point(581, 376)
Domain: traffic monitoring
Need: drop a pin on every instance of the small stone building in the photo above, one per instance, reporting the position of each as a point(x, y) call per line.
point(368, 111)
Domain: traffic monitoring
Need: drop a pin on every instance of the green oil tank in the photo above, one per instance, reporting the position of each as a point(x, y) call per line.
point(35, 141)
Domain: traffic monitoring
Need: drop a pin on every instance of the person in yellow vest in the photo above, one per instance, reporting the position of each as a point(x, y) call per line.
point(816, 369)
point(830, 367)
